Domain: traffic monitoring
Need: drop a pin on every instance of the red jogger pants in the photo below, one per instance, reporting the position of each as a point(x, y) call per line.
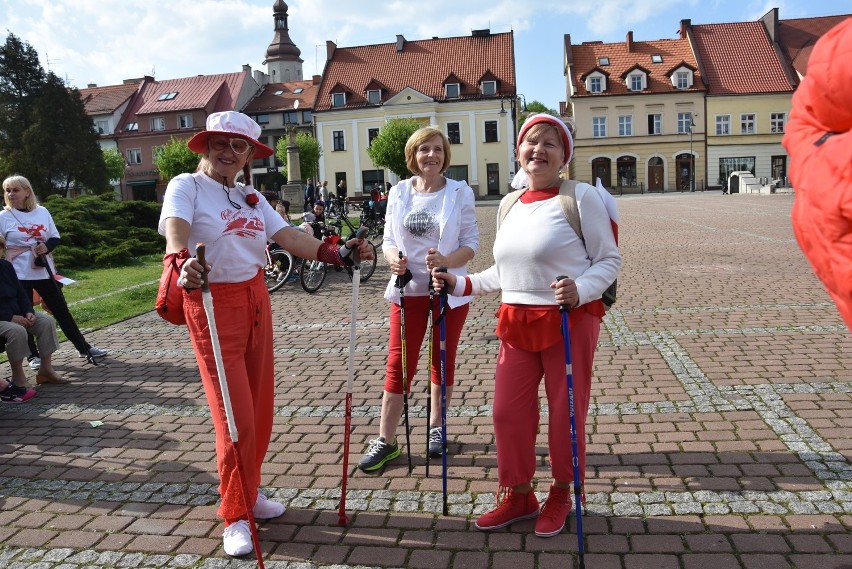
point(516, 404)
point(244, 322)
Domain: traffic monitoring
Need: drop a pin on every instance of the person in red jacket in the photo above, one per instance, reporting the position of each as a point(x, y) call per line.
point(819, 140)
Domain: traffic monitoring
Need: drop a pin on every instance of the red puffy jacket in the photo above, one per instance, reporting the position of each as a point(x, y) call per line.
point(819, 141)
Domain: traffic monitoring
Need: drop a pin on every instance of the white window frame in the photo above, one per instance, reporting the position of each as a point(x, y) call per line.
point(335, 136)
point(683, 122)
point(185, 121)
point(489, 87)
point(634, 78)
point(777, 123)
point(723, 125)
point(658, 123)
point(452, 90)
point(598, 127)
point(682, 80)
point(374, 96)
point(458, 127)
point(102, 126)
point(370, 140)
point(338, 99)
point(134, 156)
point(625, 125)
point(595, 84)
point(158, 123)
point(496, 131)
point(748, 123)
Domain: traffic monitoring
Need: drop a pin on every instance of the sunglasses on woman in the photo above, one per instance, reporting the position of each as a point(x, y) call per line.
point(238, 145)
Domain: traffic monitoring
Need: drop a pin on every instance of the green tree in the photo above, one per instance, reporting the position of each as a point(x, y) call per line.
point(534, 107)
point(114, 162)
point(388, 148)
point(45, 133)
point(309, 153)
point(175, 158)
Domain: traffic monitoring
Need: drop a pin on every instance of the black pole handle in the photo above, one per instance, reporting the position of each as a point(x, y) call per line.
point(199, 254)
point(356, 258)
point(444, 291)
point(563, 307)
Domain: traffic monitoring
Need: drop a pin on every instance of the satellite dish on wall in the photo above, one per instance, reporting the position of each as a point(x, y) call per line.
point(296, 104)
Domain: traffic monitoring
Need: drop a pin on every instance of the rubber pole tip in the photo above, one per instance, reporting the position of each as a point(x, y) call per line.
point(343, 520)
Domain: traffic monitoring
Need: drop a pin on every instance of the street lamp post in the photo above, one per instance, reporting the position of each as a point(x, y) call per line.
point(691, 156)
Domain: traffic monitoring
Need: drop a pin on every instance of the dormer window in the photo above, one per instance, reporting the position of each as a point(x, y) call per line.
point(451, 90)
point(374, 96)
point(489, 88)
point(682, 76)
point(338, 99)
point(603, 61)
point(596, 82)
point(132, 126)
point(637, 82)
point(656, 58)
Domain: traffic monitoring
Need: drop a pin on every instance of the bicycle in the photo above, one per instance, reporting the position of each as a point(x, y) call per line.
point(313, 273)
point(279, 266)
point(374, 221)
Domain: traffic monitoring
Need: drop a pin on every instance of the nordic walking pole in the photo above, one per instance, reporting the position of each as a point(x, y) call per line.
point(442, 300)
point(429, 383)
point(569, 375)
point(342, 518)
point(207, 299)
point(401, 281)
point(43, 259)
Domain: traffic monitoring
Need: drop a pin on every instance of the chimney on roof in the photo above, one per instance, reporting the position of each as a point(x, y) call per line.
point(770, 22)
point(685, 24)
point(400, 43)
point(91, 85)
point(481, 33)
point(247, 68)
point(330, 47)
point(316, 79)
point(260, 77)
point(630, 41)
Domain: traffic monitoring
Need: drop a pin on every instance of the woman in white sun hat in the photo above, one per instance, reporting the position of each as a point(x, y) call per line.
point(235, 222)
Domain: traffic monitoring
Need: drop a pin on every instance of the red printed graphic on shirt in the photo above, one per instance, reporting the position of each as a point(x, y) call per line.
point(34, 232)
point(242, 223)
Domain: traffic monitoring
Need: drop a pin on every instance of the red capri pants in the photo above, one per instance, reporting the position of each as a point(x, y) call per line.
point(416, 322)
point(244, 322)
point(516, 405)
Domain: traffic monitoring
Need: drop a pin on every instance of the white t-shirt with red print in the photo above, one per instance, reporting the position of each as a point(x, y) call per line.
point(235, 238)
point(27, 229)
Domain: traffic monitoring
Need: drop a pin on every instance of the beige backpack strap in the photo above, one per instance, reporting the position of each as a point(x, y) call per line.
point(507, 204)
point(568, 201)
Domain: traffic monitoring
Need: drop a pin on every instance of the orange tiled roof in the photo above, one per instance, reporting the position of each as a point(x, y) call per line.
point(798, 36)
point(674, 53)
point(423, 65)
point(268, 100)
point(105, 100)
point(738, 58)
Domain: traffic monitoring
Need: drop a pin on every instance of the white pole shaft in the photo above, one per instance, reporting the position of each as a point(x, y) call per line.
point(356, 283)
point(207, 299)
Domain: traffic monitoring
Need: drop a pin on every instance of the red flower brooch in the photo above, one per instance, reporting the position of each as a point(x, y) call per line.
point(252, 199)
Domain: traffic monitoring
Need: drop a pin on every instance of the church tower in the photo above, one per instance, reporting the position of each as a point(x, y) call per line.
point(282, 61)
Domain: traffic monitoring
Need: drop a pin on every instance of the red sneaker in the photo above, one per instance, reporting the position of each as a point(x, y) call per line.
point(555, 511)
point(514, 507)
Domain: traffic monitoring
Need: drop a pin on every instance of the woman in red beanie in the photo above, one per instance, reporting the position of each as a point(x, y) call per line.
point(534, 244)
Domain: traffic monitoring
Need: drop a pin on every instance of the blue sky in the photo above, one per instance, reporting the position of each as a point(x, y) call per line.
point(106, 41)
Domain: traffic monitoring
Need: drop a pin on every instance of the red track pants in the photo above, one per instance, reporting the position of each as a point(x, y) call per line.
point(244, 322)
point(516, 405)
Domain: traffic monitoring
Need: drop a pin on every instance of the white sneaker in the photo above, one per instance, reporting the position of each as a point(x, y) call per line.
point(35, 363)
point(95, 352)
point(266, 509)
point(236, 540)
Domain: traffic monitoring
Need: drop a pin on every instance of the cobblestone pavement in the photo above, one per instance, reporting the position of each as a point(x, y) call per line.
point(719, 432)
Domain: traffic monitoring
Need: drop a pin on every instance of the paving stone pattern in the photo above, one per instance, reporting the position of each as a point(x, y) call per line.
point(719, 435)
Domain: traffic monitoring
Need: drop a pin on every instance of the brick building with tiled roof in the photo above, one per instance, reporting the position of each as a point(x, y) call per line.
point(172, 108)
point(749, 89)
point(463, 85)
point(278, 108)
point(634, 104)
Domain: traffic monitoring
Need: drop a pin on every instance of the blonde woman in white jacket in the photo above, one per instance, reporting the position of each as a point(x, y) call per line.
point(432, 221)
